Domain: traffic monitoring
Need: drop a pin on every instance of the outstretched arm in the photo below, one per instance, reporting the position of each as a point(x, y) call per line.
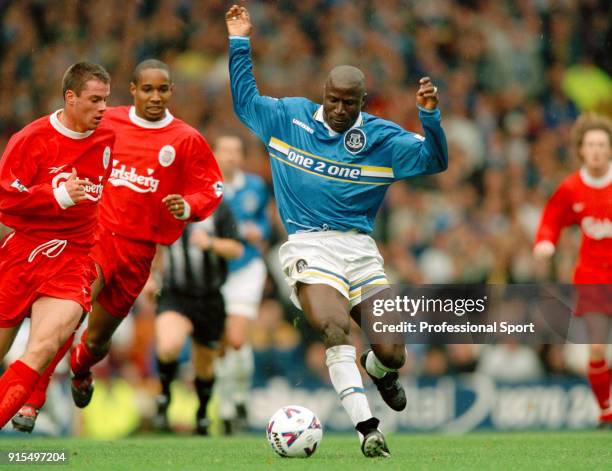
point(259, 113)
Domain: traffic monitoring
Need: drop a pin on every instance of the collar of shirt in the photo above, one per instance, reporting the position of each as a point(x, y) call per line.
point(318, 116)
point(145, 123)
point(59, 127)
point(596, 182)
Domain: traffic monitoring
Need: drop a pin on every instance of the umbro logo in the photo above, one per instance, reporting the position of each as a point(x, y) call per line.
point(303, 126)
point(578, 207)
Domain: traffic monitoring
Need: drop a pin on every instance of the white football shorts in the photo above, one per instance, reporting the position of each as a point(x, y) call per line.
point(347, 261)
point(243, 289)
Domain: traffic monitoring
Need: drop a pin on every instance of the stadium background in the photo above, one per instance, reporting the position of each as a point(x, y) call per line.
point(512, 75)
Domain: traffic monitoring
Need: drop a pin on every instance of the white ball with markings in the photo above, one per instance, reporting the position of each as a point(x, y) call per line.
point(294, 432)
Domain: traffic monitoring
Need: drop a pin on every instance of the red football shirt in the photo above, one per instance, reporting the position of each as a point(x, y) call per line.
point(586, 201)
point(36, 161)
point(152, 159)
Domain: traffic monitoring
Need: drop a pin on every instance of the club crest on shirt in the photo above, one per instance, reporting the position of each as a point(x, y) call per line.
point(167, 154)
point(354, 140)
point(106, 157)
point(301, 265)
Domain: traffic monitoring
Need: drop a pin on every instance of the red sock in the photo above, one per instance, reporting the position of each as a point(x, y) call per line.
point(16, 384)
point(599, 377)
point(81, 358)
point(39, 395)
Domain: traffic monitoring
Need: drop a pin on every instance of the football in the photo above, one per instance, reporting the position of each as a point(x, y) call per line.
point(294, 432)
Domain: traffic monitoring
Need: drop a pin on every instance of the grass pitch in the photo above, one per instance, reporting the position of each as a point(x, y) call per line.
point(589, 450)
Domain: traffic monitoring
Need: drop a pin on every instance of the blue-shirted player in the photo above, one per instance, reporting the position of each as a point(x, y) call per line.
point(247, 196)
point(331, 166)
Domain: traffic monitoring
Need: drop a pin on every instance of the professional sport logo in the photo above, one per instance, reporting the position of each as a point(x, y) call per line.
point(301, 265)
point(167, 154)
point(354, 140)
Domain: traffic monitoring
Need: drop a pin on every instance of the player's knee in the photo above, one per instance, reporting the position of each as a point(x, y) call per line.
point(167, 356)
point(236, 331)
point(168, 351)
point(235, 341)
point(335, 333)
point(98, 341)
point(235, 336)
point(204, 370)
point(39, 353)
point(97, 348)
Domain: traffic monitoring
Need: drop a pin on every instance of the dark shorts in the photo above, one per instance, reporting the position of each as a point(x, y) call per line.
point(207, 314)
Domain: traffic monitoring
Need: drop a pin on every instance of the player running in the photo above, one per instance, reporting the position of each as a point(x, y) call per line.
point(585, 199)
point(52, 174)
point(191, 304)
point(163, 173)
point(331, 166)
point(247, 197)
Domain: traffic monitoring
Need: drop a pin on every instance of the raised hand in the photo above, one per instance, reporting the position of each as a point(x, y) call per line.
point(175, 204)
point(238, 21)
point(76, 187)
point(427, 95)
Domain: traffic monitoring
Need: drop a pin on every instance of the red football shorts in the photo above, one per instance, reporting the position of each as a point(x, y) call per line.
point(126, 265)
point(594, 290)
point(31, 268)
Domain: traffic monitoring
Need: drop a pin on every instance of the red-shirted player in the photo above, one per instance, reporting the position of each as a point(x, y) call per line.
point(163, 174)
point(51, 177)
point(585, 198)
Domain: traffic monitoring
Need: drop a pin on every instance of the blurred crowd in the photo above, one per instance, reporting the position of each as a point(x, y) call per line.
point(512, 77)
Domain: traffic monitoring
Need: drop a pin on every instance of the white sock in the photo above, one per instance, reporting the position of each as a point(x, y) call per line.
point(224, 386)
point(233, 372)
point(375, 367)
point(242, 373)
point(347, 382)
